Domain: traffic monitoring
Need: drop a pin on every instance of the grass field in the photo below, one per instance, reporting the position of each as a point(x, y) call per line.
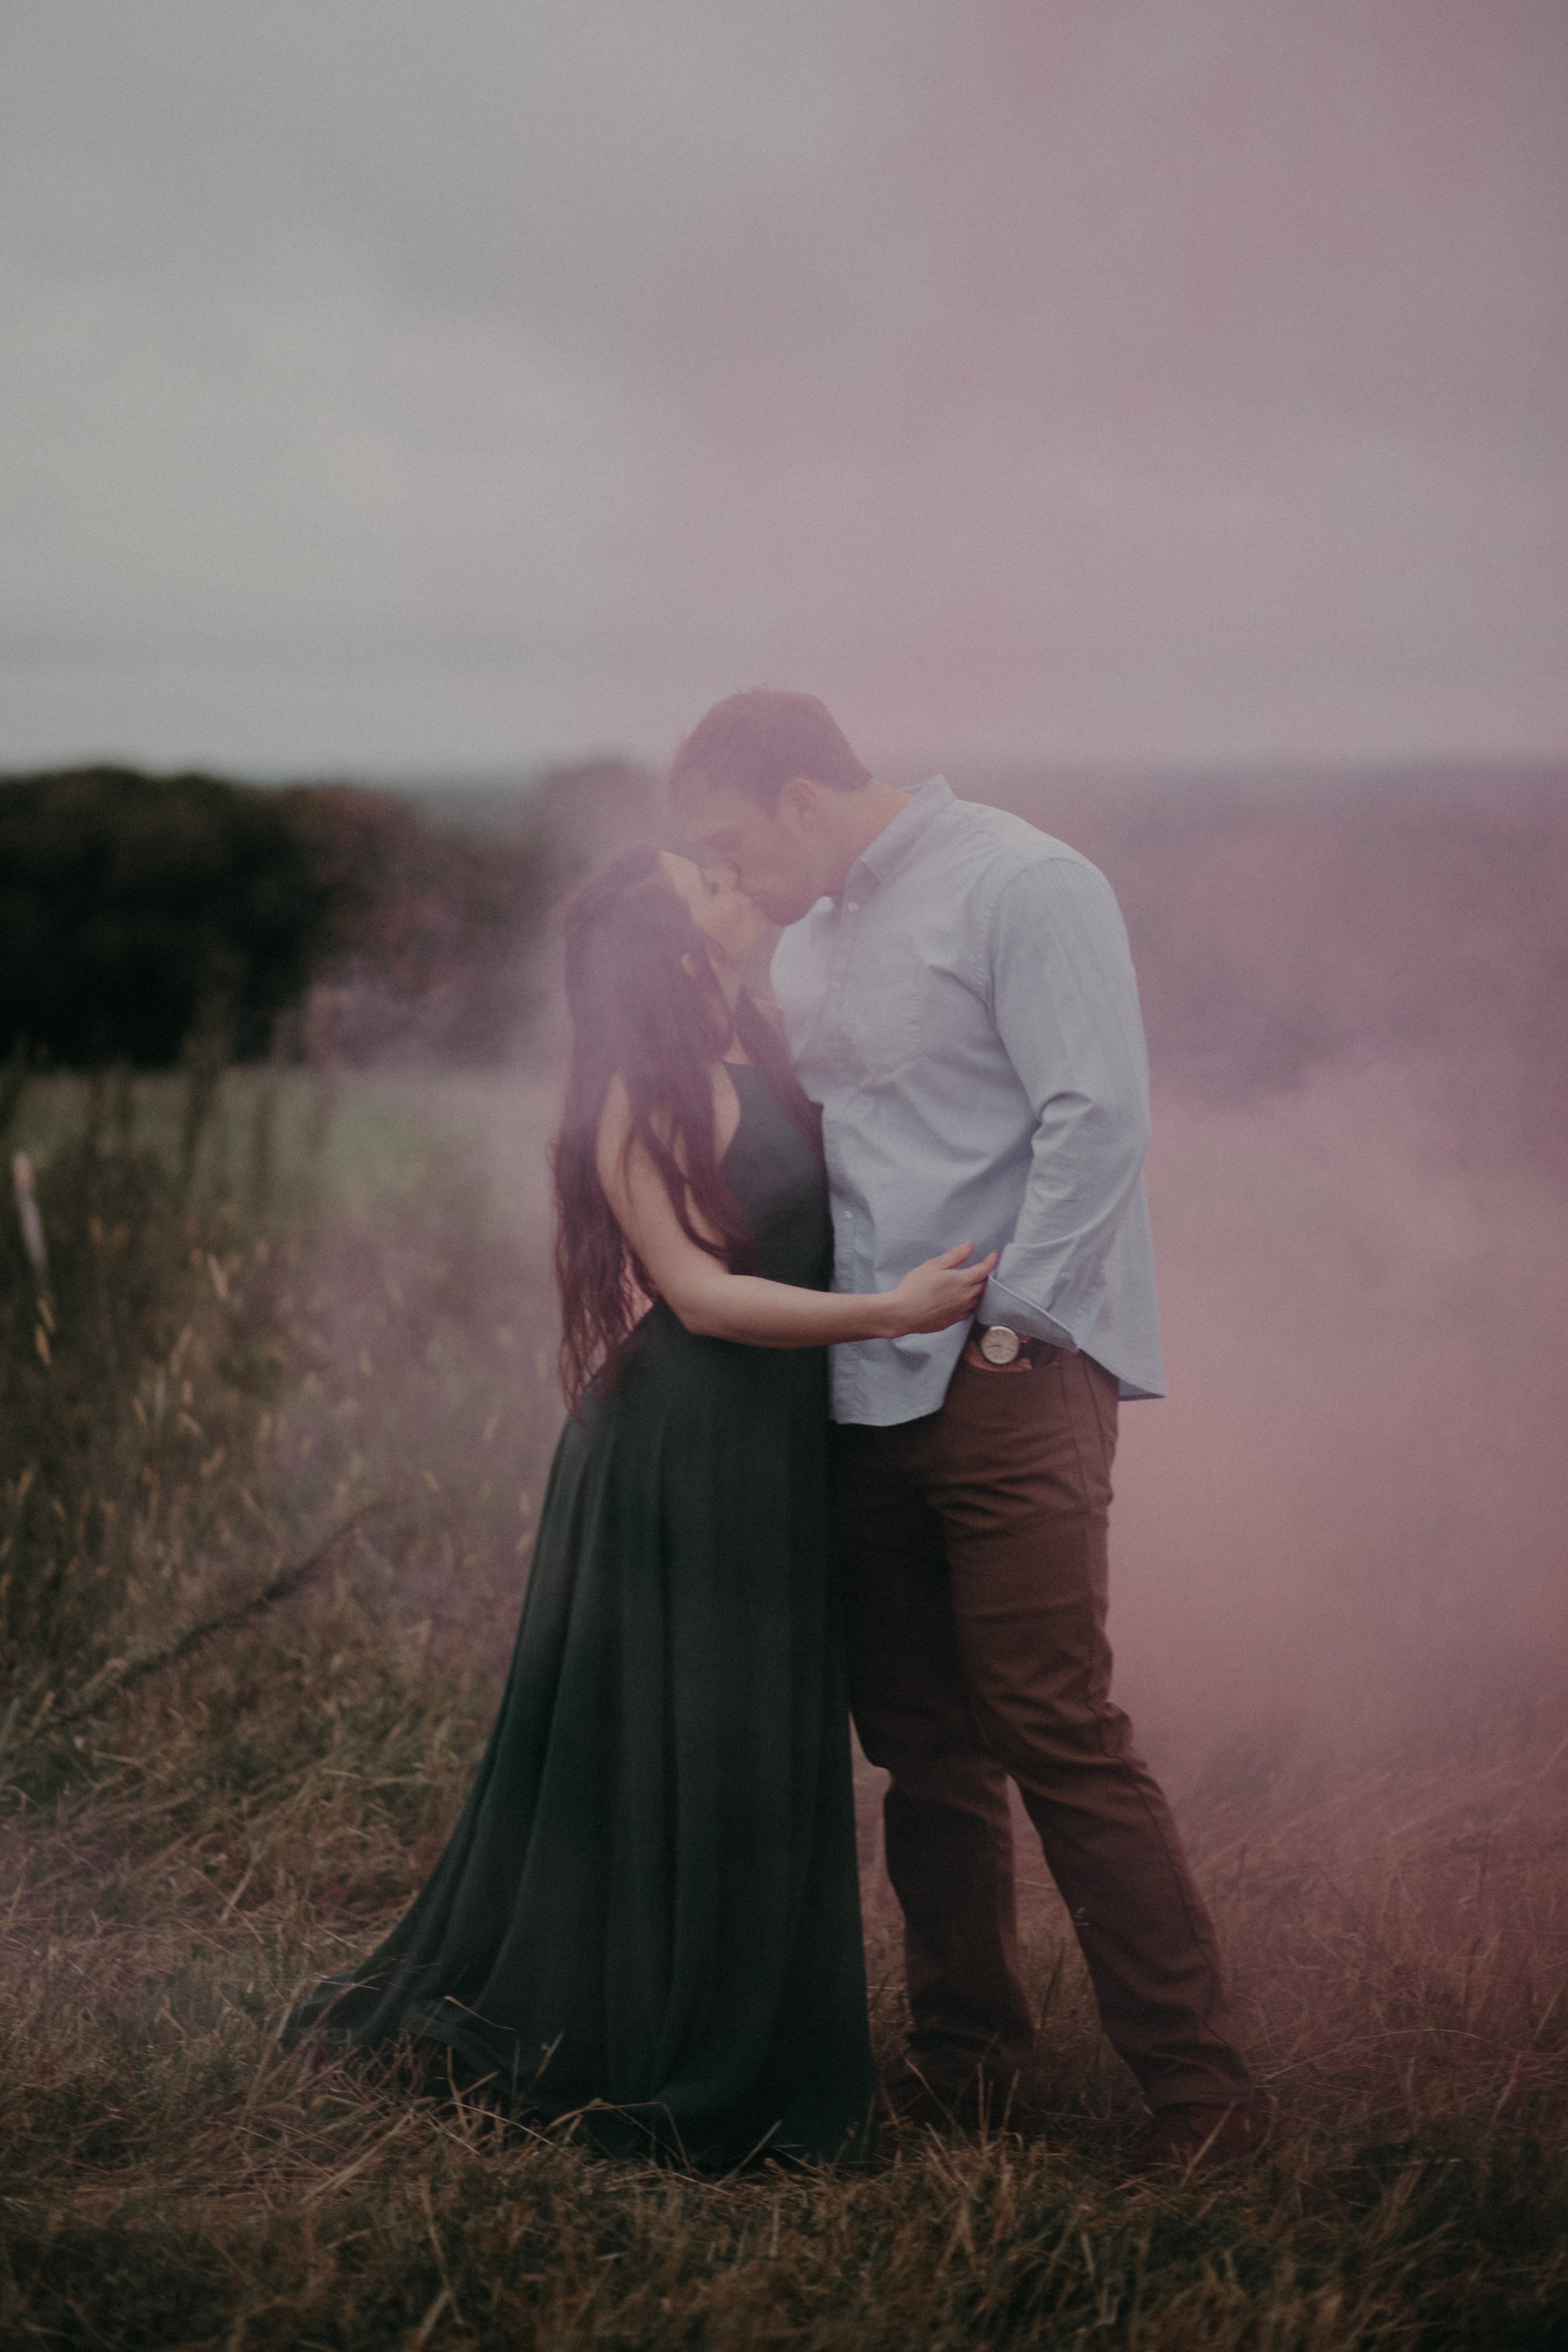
point(328, 1351)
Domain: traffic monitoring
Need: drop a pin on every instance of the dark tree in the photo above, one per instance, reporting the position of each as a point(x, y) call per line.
point(136, 910)
point(430, 930)
point(132, 906)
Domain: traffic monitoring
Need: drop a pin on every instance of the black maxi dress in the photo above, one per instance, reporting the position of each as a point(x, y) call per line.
point(650, 1907)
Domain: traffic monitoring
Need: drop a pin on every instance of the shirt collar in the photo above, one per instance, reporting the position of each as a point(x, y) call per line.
point(899, 841)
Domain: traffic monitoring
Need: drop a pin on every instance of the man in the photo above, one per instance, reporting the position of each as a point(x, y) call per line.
point(959, 997)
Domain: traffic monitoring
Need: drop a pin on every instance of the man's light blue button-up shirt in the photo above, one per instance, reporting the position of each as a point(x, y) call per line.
point(967, 1016)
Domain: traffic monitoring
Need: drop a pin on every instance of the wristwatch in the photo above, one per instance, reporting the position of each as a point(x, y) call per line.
point(999, 1343)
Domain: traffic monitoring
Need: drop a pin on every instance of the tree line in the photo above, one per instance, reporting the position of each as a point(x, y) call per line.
point(138, 909)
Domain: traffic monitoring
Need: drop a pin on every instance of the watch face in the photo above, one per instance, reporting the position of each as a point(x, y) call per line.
point(999, 1346)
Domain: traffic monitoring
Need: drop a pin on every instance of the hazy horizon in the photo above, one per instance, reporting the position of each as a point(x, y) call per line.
point(432, 779)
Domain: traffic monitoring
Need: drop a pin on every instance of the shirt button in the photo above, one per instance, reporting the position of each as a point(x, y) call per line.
point(836, 983)
point(853, 906)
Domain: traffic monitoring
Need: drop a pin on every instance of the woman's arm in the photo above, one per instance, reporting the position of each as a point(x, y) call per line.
point(717, 1305)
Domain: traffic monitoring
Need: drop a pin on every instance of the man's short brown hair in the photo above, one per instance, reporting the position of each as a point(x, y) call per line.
point(757, 741)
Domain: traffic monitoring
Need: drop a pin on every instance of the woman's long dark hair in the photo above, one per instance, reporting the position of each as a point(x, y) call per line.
point(644, 1002)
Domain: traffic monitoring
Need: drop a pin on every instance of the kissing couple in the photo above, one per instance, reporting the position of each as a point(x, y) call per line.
point(847, 1310)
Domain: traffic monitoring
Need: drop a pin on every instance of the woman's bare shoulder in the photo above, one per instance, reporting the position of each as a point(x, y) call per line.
point(617, 1151)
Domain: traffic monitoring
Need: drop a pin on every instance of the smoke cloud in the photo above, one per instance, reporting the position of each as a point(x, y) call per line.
point(1344, 1528)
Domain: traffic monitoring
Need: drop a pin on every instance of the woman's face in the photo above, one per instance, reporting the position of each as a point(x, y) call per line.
point(730, 922)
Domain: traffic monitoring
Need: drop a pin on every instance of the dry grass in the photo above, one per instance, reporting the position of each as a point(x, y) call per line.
point(195, 1847)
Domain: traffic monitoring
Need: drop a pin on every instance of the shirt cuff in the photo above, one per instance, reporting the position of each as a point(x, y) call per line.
point(1000, 1305)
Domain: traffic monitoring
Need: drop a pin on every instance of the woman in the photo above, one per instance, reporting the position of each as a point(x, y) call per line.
point(649, 1909)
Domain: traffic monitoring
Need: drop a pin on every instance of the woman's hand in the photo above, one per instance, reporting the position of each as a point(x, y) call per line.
point(941, 1291)
point(714, 1304)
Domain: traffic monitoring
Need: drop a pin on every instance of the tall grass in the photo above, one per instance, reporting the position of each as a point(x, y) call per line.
point(329, 1390)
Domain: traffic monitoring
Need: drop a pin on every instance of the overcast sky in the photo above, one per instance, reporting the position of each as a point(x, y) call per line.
point(463, 382)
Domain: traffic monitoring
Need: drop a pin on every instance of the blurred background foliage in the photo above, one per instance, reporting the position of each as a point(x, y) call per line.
point(138, 913)
point(127, 900)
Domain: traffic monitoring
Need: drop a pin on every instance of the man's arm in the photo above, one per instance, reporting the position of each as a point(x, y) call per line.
point(1065, 1002)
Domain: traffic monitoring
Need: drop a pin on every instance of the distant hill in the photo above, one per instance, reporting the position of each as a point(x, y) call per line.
point(1283, 923)
point(481, 805)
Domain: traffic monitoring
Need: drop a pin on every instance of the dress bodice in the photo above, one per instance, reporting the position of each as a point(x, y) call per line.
point(779, 1186)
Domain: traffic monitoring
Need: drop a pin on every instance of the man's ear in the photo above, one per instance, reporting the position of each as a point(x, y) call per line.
point(800, 801)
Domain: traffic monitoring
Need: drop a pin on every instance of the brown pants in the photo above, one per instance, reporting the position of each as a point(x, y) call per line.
point(975, 1557)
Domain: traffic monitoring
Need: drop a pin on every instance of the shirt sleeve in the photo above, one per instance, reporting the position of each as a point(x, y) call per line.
point(1065, 1002)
